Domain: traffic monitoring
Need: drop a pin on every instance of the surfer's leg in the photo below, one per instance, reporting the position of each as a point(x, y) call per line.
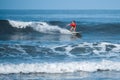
point(74, 28)
point(71, 28)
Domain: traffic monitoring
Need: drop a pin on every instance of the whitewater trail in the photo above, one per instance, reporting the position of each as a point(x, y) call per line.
point(42, 27)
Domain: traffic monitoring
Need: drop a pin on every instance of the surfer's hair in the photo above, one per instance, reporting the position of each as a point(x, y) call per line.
point(74, 21)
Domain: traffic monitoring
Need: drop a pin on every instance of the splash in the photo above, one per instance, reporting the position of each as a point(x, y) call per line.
point(42, 27)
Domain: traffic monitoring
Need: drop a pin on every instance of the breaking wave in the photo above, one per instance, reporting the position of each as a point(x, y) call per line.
point(21, 26)
point(54, 27)
point(62, 67)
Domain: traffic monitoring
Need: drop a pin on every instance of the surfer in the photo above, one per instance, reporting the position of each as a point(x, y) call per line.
point(73, 29)
point(73, 26)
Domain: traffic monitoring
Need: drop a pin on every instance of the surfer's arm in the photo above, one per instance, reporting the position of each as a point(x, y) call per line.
point(67, 25)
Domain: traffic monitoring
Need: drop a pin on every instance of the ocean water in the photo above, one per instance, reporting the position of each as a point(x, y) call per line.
point(37, 45)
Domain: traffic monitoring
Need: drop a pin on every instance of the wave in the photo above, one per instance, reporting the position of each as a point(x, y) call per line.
point(11, 26)
point(21, 26)
point(61, 67)
point(101, 49)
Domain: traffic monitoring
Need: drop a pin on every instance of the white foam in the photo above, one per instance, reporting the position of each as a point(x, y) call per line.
point(19, 24)
point(105, 49)
point(39, 26)
point(102, 47)
point(62, 67)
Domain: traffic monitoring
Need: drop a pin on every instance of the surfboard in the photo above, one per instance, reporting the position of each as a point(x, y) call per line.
point(78, 34)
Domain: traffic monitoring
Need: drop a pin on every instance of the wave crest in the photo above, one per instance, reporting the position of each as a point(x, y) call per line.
point(42, 27)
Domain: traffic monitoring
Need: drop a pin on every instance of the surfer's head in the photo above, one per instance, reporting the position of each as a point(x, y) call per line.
point(73, 21)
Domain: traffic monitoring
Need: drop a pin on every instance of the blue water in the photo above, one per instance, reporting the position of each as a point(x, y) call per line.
point(37, 45)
